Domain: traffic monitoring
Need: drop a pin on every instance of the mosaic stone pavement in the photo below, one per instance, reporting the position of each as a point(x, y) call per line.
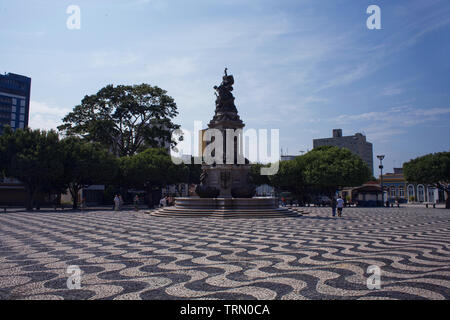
point(132, 255)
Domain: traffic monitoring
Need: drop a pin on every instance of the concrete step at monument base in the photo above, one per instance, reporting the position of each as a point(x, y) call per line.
point(265, 213)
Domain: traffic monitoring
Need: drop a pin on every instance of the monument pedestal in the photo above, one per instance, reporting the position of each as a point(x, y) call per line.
point(226, 208)
point(226, 178)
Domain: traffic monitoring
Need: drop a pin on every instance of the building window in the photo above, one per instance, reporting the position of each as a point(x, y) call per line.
point(21, 125)
point(22, 117)
point(13, 124)
point(22, 103)
point(13, 116)
point(420, 193)
point(13, 109)
point(401, 192)
point(392, 191)
point(411, 193)
point(14, 101)
point(4, 99)
point(430, 194)
point(22, 110)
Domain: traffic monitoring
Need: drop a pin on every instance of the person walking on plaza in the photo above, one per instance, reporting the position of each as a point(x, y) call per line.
point(120, 202)
point(83, 203)
point(136, 203)
point(340, 205)
point(116, 203)
point(163, 202)
point(333, 206)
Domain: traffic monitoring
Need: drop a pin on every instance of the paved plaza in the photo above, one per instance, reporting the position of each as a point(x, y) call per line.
point(132, 255)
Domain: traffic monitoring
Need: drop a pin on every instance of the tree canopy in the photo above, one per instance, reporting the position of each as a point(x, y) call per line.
point(46, 164)
point(86, 164)
point(432, 169)
point(332, 167)
point(255, 173)
point(34, 157)
point(152, 168)
point(125, 119)
point(290, 177)
point(323, 170)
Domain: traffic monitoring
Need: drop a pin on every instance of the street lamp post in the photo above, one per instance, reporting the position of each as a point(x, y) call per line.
point(381, 157)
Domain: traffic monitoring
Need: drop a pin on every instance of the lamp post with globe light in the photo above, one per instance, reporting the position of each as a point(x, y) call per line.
point(381, 157)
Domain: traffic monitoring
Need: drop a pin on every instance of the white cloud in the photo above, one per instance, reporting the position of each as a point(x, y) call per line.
point(431, 112)
point(382, 134)
point(400, 115)
point(158, 4)
point(103, 59)
point(346, 76)
point(392, 91)
point(45, 116)
point(171, 67)
point(382, 125)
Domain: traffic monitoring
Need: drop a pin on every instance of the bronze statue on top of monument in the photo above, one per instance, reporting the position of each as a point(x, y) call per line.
point(225, 109)
point(225, 99)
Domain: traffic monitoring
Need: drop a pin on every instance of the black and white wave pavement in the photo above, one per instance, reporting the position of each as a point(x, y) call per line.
point(133, 255)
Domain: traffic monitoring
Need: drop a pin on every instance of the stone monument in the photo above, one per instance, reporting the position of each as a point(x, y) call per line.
point(226, 188)
point(230, 177)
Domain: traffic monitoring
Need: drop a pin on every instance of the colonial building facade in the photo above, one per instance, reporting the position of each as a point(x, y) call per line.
point(397, 188)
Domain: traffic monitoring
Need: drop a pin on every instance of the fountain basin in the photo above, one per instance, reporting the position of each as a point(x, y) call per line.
point(225, 208)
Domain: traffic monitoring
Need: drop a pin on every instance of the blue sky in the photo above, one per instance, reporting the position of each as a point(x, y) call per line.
point(302, 66)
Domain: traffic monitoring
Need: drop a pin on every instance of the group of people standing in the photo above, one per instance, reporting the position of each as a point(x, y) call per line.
point(337, 204)
point(166, 201)
point(118, 202)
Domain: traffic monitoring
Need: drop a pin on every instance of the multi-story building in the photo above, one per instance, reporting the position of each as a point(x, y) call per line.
point(14, 111)
point(14, 100)
point(356, 144)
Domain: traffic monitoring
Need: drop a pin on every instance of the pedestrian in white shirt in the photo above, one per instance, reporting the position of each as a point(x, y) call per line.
point(340, 205)
point(116, 203)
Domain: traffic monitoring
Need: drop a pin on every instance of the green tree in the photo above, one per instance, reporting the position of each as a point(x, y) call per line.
point(86, 164)
point(290, 177)
point(330, 168)
point(125, 119)
point(194, 172)
point(321, 171)
point(151, 169)
point(431, 169)
point(33, 157)
point(4, 154)
point(255, 173)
